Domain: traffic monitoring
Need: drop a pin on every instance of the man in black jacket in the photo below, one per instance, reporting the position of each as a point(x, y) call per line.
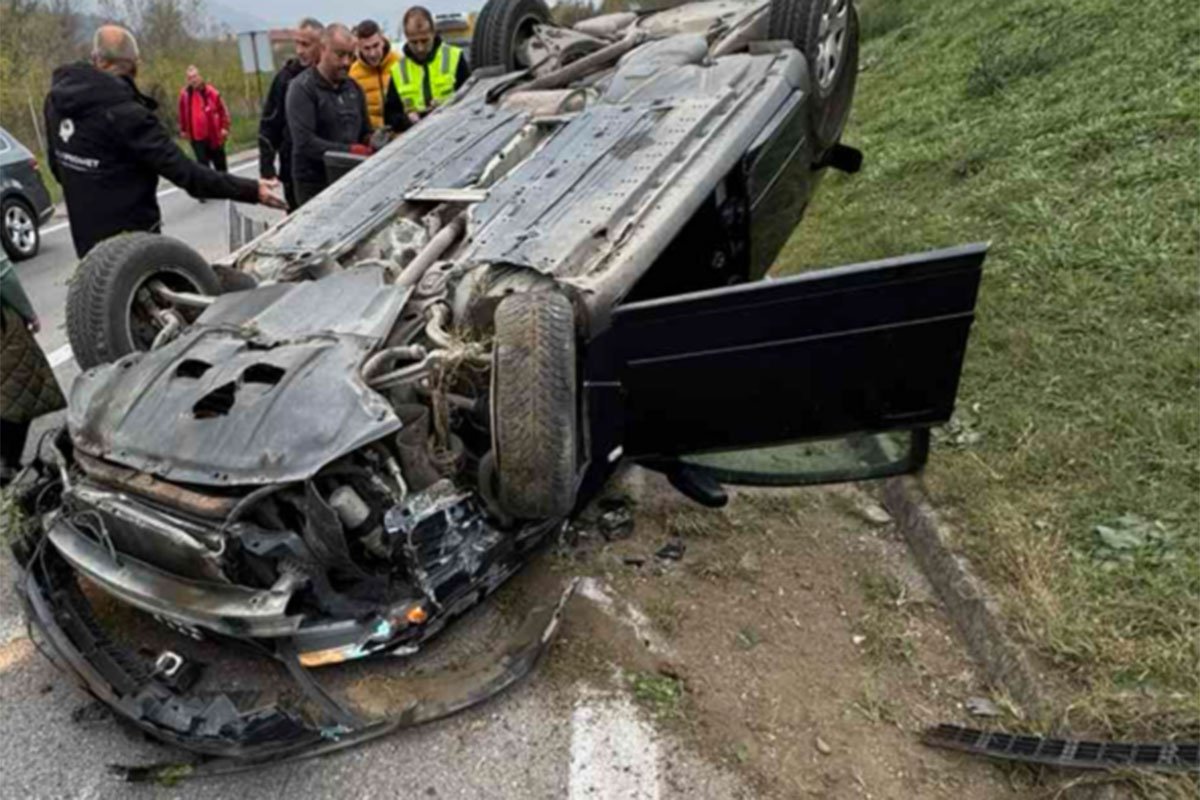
point(107, 148)
point(326, 112)
point(273, 136)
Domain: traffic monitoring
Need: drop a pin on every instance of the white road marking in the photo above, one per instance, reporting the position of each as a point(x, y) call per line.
point(614, 753)
point(62, 226)
point(625, 613)
point(60, 356)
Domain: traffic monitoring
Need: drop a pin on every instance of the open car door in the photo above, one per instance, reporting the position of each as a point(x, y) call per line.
point(826, 376)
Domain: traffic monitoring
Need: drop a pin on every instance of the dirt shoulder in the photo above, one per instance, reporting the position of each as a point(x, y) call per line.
point(793, 641)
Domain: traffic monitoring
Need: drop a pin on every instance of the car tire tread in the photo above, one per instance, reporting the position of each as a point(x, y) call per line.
point(799, 21)
point(99, 291)
point(496, 27)
point(534, 404)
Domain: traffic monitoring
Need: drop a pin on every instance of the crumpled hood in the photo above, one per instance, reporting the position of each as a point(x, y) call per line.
point(263, 388)
point(76, 89)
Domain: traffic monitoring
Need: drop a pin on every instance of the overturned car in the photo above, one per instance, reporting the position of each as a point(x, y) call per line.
point(359, 424)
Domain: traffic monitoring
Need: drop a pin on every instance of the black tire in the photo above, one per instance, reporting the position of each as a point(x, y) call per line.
point(534, 405)
point(833, 88)
point(20, 234)
point(102, 321)
point(499, 29)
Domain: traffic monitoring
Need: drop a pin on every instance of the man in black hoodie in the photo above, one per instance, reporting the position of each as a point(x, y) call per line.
point(273, 135)
point(107, 148)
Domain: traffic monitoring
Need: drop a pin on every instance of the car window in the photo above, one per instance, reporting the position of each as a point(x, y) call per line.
point(850, 458)
point(5, 142)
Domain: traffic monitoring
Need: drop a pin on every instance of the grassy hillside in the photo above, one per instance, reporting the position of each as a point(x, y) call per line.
point(1066, 133)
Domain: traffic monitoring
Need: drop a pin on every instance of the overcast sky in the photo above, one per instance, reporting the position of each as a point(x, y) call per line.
point(279, 13)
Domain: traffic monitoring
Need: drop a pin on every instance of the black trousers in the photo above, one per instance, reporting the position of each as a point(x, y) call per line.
point(289, 193)
point(210, 156)
point(12, 444)
point(306, 191)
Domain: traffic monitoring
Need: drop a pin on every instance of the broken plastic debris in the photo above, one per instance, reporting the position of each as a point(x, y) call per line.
point(981, 707)
point(672, 550)
point(616, 519)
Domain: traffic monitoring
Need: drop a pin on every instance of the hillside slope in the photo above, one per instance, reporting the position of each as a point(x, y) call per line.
point(1066, 133)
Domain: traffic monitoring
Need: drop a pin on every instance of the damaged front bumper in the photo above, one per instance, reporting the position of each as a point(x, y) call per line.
point(227, 736)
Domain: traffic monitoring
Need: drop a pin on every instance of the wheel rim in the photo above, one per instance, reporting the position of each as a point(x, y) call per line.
point(20, 229)
point(522, 33)
point(142, 325)
point(831, 42)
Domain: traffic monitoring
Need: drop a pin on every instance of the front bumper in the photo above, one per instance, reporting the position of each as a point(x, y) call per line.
point(212, 724)
point(223, 608)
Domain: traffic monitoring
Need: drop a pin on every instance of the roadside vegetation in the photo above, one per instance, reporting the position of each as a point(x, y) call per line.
point(1065, 133)
point(36, 36)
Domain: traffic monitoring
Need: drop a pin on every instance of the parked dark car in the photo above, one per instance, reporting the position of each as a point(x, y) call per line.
point(357, 426)
point(25, 203)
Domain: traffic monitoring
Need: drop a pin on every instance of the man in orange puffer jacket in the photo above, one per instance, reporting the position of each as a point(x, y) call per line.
point(372, 69)
point(204, 120)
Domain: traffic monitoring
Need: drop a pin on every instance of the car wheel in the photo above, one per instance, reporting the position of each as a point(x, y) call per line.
point(111, 310)
point(501, 28)
point(826, 31)
point(534, 405)
point(21, 238)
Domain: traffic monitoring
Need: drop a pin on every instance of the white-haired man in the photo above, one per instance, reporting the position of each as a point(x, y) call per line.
point(107, 148)
point(274, 139)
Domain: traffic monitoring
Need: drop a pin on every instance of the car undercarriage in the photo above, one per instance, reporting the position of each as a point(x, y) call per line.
point(391, 400)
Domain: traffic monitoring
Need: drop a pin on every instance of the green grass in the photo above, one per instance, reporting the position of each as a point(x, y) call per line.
point(661, 694)
point(1066, 133)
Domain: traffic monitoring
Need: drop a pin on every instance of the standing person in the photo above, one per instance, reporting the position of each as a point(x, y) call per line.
point(427, 74)
point(372, 69)
point(28, 388)
point(204, 120)
point(107, 148)
point(273, 136)
point(326, 112)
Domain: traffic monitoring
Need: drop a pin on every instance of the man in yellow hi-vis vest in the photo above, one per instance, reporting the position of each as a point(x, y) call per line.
point(428, 73)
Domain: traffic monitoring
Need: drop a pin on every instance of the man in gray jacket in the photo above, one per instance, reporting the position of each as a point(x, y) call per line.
point(326, 112)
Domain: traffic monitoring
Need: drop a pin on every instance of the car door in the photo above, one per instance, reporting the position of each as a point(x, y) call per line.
point(830, 375)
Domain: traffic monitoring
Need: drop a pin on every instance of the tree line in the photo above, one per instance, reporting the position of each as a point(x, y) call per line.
point(36, 36)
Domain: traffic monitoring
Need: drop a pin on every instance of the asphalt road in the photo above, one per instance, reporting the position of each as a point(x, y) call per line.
point(45, 277)
point(523, 744)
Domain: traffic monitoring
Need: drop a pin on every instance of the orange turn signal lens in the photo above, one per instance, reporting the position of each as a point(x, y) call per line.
point(323, 658)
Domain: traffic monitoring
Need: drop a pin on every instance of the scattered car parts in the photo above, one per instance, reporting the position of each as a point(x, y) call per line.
point(1071, 753)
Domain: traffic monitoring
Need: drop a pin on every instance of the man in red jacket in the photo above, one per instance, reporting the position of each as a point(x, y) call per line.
point(204, 120)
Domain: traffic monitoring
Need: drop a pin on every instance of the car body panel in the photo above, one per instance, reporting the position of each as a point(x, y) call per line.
point(446, 150)
point(863, 348)
point(599, 197)
point(262, 389)
point(20, 177)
